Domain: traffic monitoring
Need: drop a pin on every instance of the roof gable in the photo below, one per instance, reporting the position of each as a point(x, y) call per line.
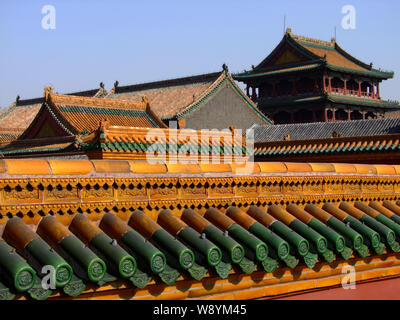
point(288, 52)
point(225, 79)
point(287, 56)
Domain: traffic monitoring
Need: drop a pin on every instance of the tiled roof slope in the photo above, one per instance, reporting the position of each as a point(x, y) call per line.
point(379, 148)
point(333, 53)
point(321, 130)
point(9, 134)
point(177, 98)
point(295, 224)
point(167, 97)
point(22, 112)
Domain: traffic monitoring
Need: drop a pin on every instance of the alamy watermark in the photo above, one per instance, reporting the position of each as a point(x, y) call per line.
point(349, 279)
point(230, 146)
point(49, 278)
point(49, 18)
point(349, 19)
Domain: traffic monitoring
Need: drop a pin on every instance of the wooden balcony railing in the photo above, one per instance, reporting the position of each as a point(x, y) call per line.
point(355, 93)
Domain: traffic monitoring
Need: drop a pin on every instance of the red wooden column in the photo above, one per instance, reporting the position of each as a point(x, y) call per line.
point(329, 84)
point(377, 91)
point(326, 115)
point(348, 114)
point(315, 86)
point(314, 116)
point(294, 89)
point(345, 86)
point(359, 88)
point(273, 89)
point(363, 115)
point(253, 94)
point(324, 82)
point(333, 114)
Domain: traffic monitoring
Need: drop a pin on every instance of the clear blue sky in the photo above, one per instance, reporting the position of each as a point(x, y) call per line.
point(138, 41)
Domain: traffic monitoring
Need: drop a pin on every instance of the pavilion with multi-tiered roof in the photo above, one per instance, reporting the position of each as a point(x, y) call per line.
point(309, 80)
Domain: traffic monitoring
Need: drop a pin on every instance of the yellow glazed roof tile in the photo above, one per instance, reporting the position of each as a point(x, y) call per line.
point(146, 167)
point(272, 167)
point(365, 168)
point(2, 166)
point(245, 168)
point(179, 168)
point(345, 168)
point(215, 167)
point(397, 168)
point(322, 167)
point(385, 169)
point(71, 166)
point(111, 166)
point(31, 166)
point(298, 167)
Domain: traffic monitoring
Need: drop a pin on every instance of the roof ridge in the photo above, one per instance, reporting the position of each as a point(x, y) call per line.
point(324, 43)
point(207, 77)
point(110, 129)
point(332, 123)
point(64, 99)
point(30, 101)
point(368, 138)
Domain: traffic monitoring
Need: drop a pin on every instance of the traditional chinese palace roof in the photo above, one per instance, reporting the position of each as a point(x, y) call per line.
point(175, 99)
point(314, 75)
point(15, 119)
point(304, 53)
point(67, 115)
point(118, 142)
point(364, 141)
point(366, 149)
point(134, 230)
point(322, 130)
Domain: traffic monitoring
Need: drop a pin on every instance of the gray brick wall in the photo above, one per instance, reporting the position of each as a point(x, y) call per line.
point(223, 110)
